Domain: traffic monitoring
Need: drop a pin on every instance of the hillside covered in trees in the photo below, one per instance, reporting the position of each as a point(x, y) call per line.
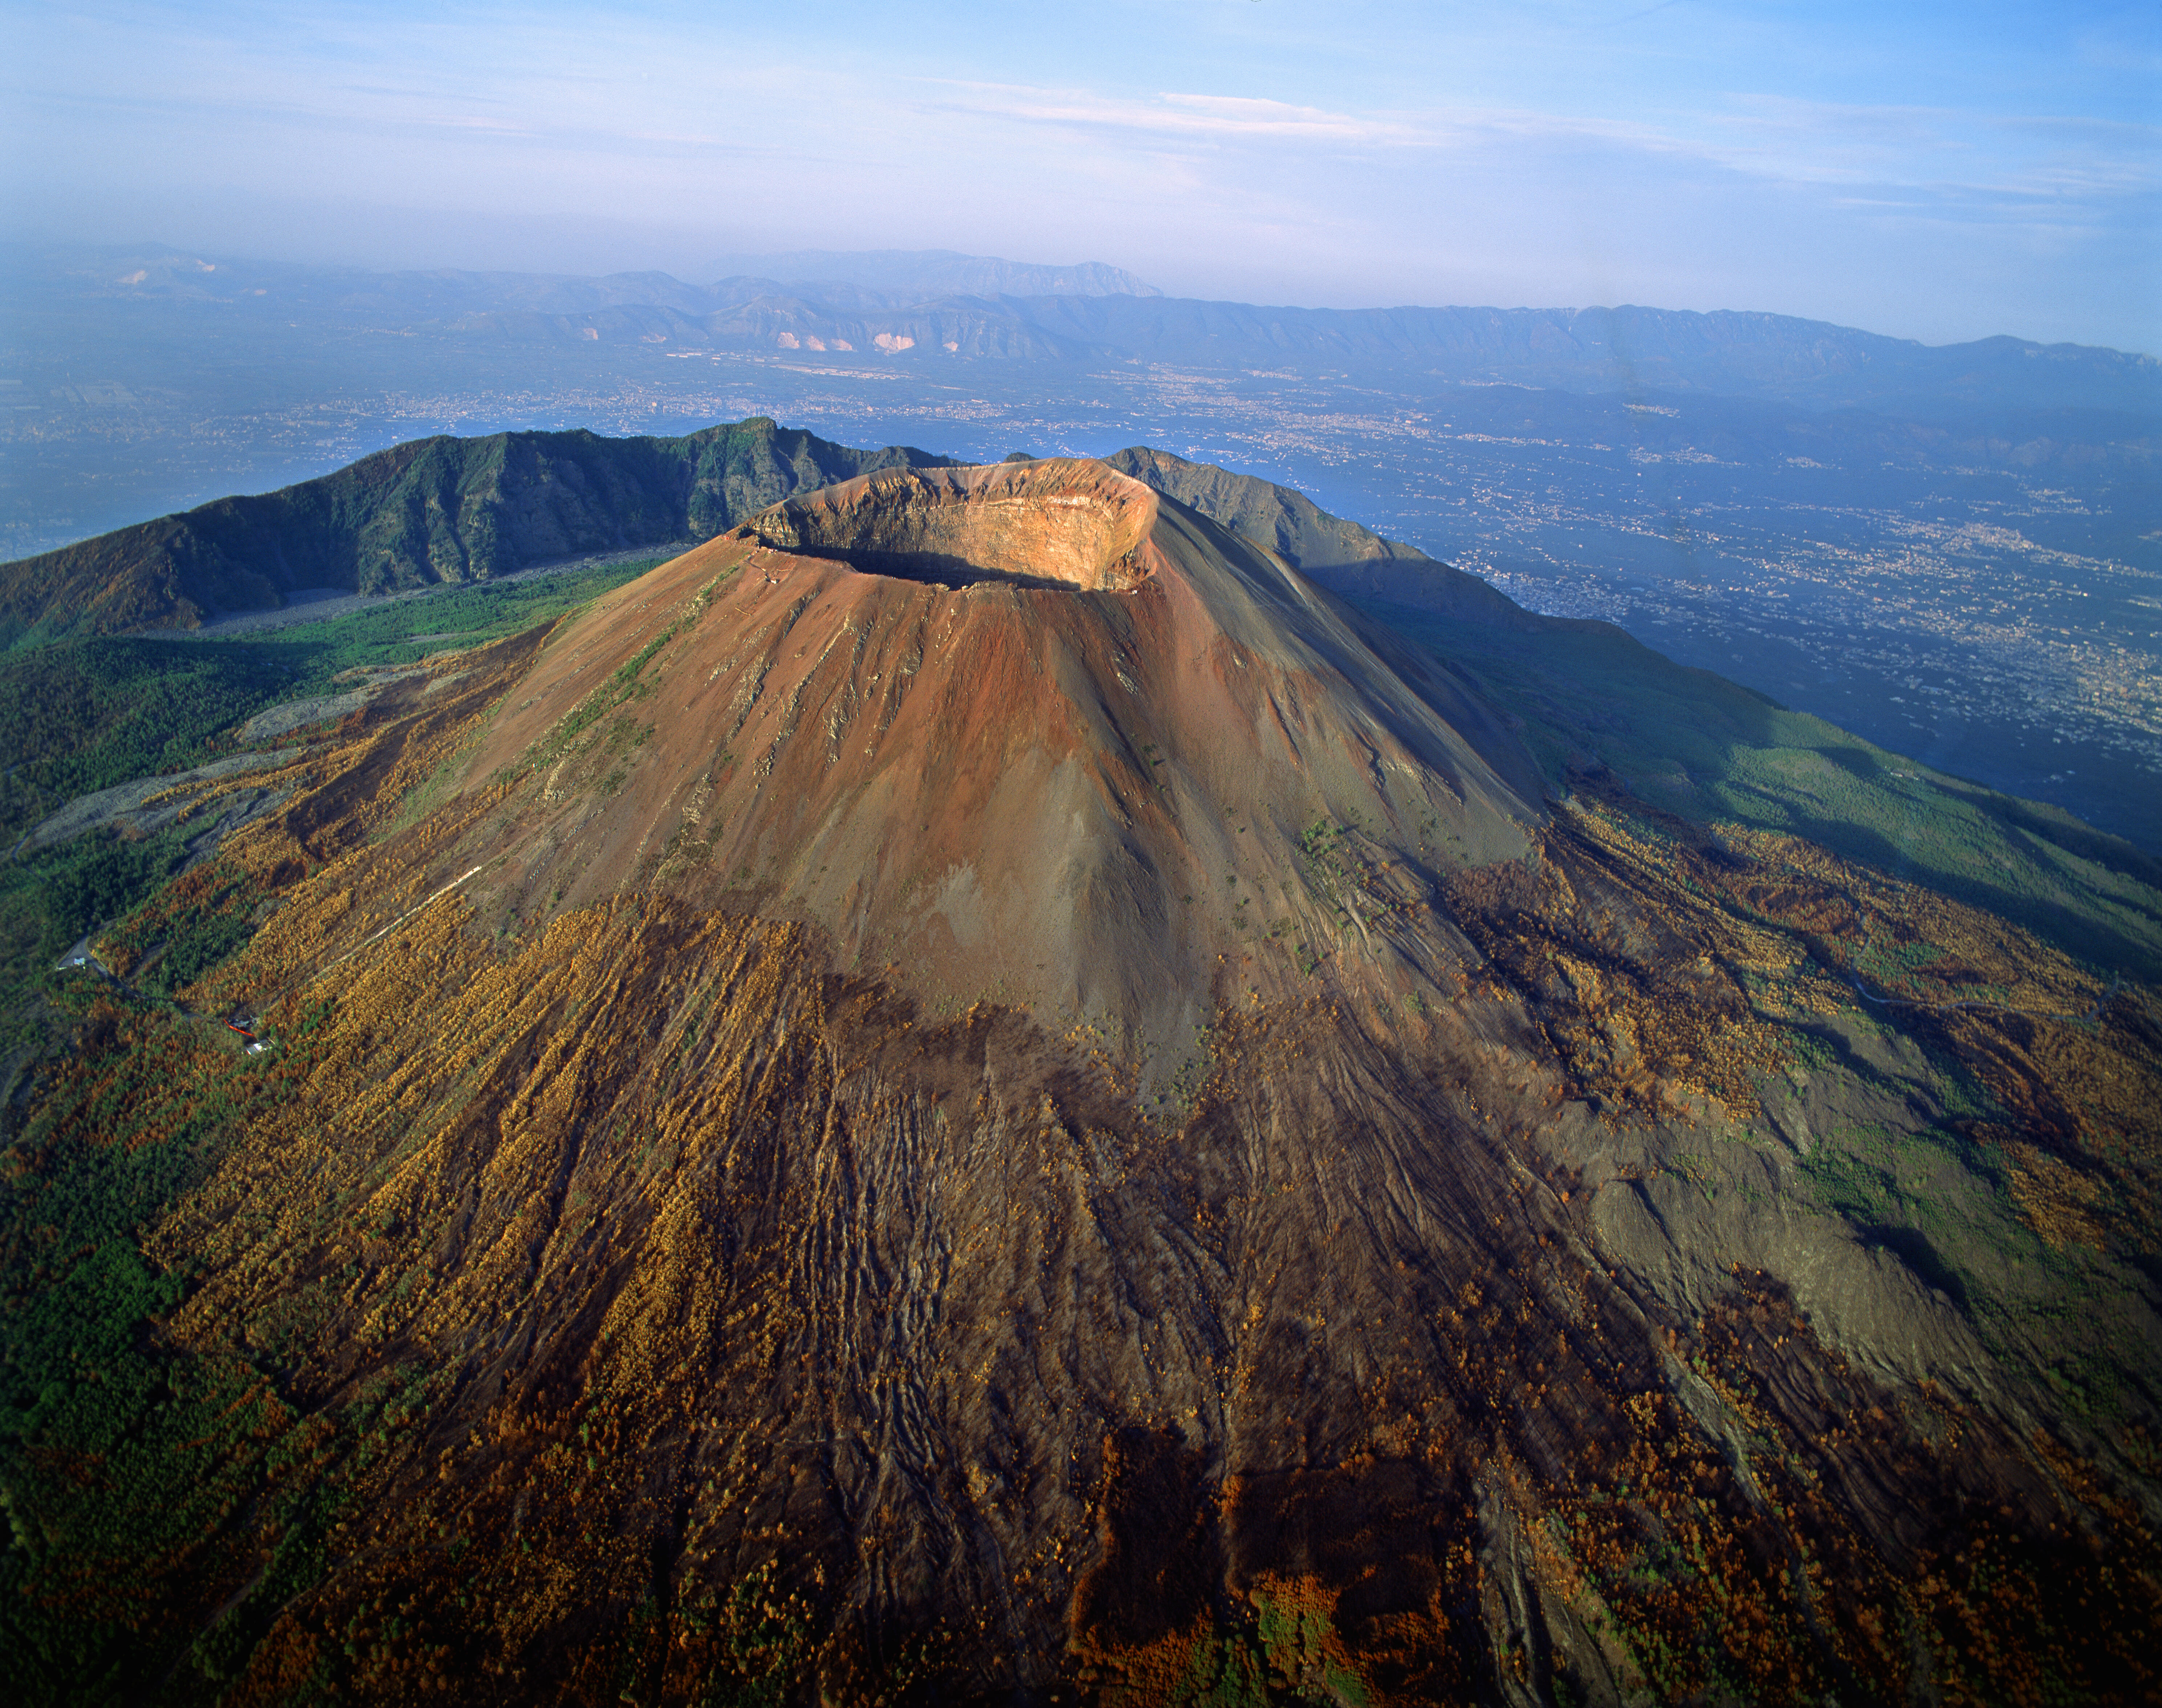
point(435, 510)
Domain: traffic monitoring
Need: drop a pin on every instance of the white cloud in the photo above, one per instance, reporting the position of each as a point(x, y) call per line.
point(1172, 113)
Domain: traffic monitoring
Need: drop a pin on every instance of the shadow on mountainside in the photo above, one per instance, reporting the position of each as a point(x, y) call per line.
point(1691, 743)
point(937, 569)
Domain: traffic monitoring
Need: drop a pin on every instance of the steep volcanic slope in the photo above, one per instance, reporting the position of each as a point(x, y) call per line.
point(974, 1093)
point(431, 511)
point(1022, 733)
point(1593, 700)
point(1328, 551)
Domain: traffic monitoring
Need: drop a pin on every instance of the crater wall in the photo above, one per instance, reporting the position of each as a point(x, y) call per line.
point(1058, 523)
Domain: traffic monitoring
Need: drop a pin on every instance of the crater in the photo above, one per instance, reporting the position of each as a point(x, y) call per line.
point(1061, 524)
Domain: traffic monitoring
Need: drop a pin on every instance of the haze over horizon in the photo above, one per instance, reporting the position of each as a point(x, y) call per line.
point(1938, 173)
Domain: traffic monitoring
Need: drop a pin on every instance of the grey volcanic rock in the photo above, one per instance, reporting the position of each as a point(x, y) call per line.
point(1340, 555)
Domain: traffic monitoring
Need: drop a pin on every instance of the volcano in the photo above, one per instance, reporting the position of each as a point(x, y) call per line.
point(1030, 734)
point(974, 1091)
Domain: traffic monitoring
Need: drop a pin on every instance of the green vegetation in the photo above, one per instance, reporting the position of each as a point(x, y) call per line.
point(130, 1467)
point(627, 682)
point(434, 510)
point(1704, 748)
point(1298, 1637)
point(87, 715)
point(408, 630)
point(195, 923)
point(760, 1638)
point(124, 1462)
point(1281, 1653)
point(47, 902)
point(82, 715)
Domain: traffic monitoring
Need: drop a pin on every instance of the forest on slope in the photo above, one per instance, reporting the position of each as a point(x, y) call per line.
point(435, 510)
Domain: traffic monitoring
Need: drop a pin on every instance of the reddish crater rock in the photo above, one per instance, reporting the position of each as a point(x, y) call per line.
point(1033, 526)
point(1030, 732)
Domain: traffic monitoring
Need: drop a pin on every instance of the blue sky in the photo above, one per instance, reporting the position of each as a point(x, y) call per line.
point(1936, 171)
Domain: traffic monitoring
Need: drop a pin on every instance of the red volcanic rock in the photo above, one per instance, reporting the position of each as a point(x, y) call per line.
point(1032, 730)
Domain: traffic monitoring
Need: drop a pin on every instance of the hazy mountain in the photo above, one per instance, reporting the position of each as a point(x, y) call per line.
point(1773, 356)
point(976, 1091)
point(431, 510)
point(921, 273)
point(930, 306)
point(839, 279)
point(1640, 352)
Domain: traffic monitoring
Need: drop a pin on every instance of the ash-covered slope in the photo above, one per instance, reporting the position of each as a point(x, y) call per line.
point(974, 1093)
point(1340, 556)
point(1027, 734)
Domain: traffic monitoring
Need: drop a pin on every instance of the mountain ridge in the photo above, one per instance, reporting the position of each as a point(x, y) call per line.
point(428, 511)
point(1345, 557)
point(1621, 348)
point(444, 510)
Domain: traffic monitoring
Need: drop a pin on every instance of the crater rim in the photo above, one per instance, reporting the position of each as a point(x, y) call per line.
point(1066, 526)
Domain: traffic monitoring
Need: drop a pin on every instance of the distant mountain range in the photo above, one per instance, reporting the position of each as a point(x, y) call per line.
point(932, 306)
point(1775, 357)
point(941, 272)
point(874, 278)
